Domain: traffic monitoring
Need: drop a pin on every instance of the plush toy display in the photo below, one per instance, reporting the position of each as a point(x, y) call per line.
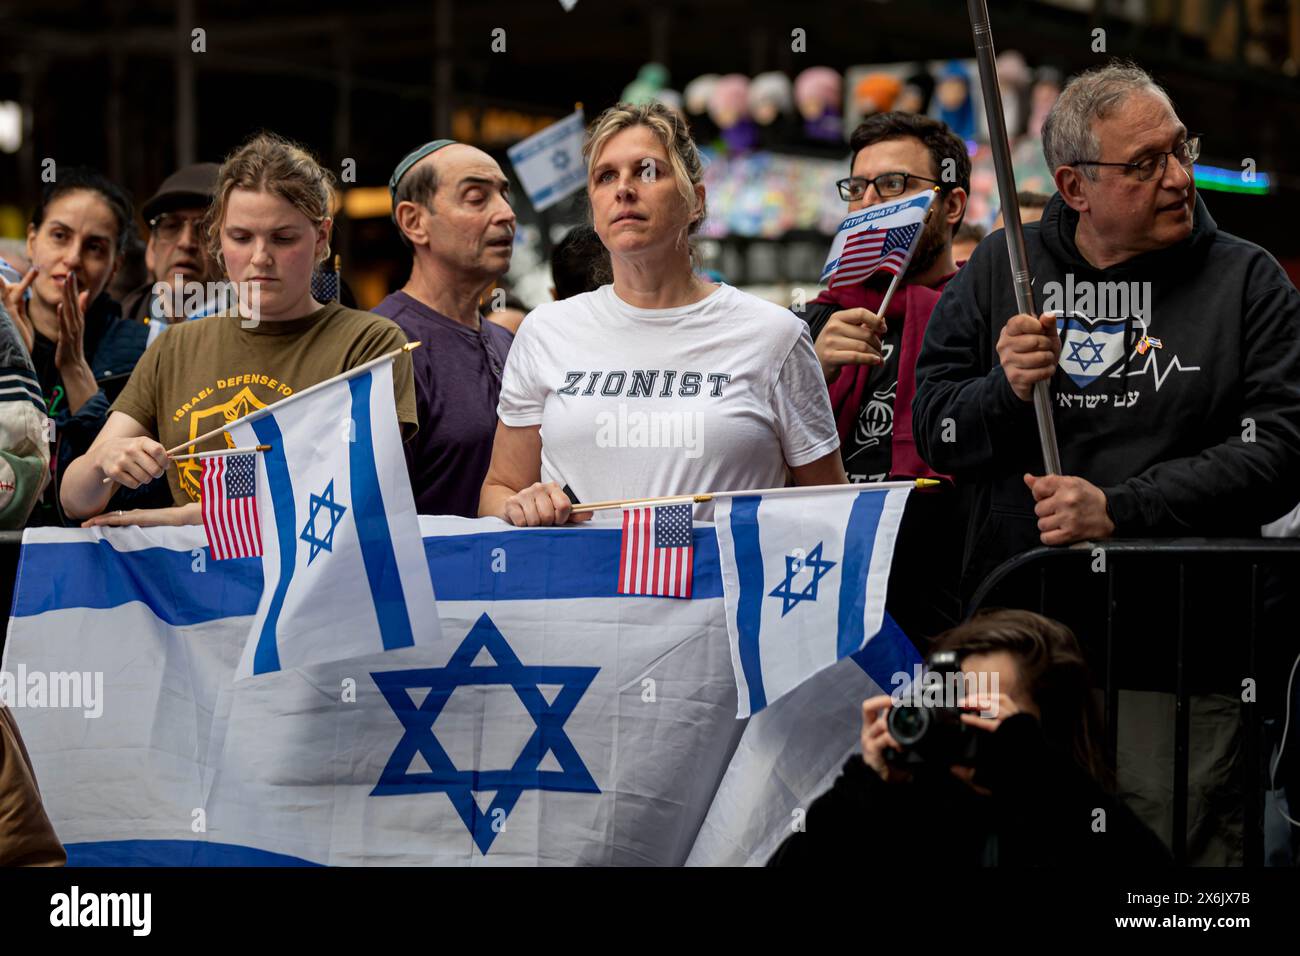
point(650, 79)
point(673, 100)
point(916, 92)
point(729, 110)
point(953, 100)
point(818, 92)
point(771, 96)
point(697, 92)
point(876, 93)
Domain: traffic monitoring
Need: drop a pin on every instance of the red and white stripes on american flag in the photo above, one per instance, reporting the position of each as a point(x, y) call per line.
point(229, 485)
point(872, 250)
point(657, 556)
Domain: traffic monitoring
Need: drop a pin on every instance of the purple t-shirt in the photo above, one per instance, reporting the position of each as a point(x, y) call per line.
point(457, 383)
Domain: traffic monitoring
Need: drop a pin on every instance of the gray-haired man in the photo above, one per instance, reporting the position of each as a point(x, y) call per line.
point(1163, 339)
point(1172, 351)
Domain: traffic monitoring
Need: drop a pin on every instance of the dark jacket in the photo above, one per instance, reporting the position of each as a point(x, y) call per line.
point(1043, 812)
point(24, 450)
point(1199, 435)
point(910, 310)
point(112, 346)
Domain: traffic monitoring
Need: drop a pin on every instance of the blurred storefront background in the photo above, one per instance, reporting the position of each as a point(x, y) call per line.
point(771, 89)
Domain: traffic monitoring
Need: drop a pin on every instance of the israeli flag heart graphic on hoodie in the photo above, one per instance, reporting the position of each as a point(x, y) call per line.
point(1090, 348)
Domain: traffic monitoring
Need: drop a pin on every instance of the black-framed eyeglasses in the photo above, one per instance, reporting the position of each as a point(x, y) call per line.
point(1155, 164)
point(887, 185)
point(169, 226)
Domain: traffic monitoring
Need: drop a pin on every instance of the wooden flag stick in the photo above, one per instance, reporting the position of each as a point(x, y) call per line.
point(769, 492)
point(221, 453)
point(258, 413)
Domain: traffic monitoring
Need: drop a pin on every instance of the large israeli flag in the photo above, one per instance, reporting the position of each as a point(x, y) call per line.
point(805, 577)
point(557, 722)
point(342, 561)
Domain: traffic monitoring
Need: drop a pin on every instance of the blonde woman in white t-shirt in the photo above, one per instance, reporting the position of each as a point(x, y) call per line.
point(660, 383)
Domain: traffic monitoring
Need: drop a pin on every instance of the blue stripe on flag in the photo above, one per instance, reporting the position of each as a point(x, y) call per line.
point(95, 575)
point(551, 564)
point(749, 602)
point(267, 656)
point(372, 526)
point(888, 653)
point(174, 853)
point(859, 541)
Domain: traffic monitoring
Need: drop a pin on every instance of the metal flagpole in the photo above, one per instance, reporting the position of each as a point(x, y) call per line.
point(984, 54)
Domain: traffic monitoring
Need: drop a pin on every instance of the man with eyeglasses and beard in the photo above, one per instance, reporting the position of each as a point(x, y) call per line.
point(869, 359)
point(1172, 353)
point(451, 205)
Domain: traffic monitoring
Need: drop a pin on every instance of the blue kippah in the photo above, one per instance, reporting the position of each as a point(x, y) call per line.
point(410, 159)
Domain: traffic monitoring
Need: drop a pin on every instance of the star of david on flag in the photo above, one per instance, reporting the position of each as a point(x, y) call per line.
point(809, 571)
point(546, 162)
point(343, 565)
point(1077, 353)
point(333, 512)
point(792, 611)
point(1090, 348)
point(547, 740)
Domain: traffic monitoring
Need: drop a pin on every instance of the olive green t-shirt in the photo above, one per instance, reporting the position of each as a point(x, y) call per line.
point(200, 374)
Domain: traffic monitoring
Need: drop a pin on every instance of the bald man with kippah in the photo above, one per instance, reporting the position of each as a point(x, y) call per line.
point(451, 205)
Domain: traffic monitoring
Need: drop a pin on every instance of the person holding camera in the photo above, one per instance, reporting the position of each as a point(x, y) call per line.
point(1011, 776)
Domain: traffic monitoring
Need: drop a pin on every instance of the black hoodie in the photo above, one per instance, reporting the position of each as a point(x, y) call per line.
point(1042, 812)
point(1198, 435)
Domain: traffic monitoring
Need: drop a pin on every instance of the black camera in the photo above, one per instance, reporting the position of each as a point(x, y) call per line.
point(927, 723)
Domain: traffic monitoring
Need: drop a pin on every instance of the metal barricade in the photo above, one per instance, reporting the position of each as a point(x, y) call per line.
point(1168, 615)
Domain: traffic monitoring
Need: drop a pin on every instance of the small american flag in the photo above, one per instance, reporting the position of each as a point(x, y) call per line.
point(657, 555)
point(872, 250)
point(229, 484)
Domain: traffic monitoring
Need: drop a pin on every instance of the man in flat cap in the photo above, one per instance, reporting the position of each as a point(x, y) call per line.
point(451, 204)
point(177, 249)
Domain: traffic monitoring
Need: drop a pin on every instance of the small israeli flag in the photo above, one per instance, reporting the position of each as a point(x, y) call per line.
point(804, 579)
point(343, 563)
point(549, 163)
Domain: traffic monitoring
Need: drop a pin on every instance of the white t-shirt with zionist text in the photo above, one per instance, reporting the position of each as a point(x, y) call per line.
point(719, 395)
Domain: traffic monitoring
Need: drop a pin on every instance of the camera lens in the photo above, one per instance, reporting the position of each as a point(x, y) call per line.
point(907, 725)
